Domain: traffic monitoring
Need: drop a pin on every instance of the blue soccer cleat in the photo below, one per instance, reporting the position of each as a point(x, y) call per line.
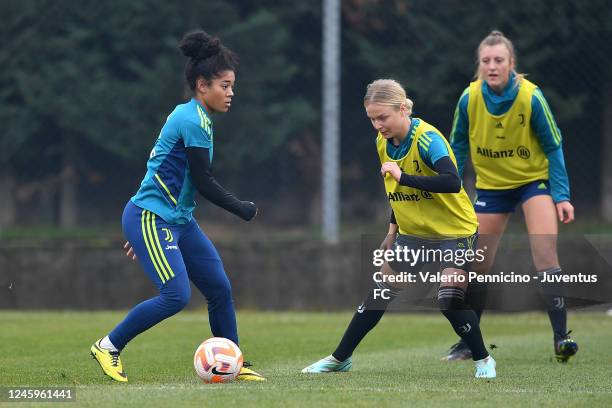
point(329, 364)
point(565, 348)
point(485, 368)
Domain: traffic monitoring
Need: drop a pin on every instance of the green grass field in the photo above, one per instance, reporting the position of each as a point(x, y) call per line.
point(397, 364)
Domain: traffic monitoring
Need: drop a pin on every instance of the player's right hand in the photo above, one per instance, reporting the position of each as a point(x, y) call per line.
point(129, 250)
point(388, 242)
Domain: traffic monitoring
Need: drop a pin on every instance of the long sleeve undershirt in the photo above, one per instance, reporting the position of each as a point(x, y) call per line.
point(205, 183)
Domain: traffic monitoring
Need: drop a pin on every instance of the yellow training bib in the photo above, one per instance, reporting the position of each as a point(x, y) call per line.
point(421, 213)
point(505, 150)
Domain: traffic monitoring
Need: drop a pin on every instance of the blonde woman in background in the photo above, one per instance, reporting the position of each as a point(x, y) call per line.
point(505, 123)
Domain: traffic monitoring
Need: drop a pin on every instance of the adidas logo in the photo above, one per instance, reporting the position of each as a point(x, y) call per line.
point(499, 126)
point(541, 186)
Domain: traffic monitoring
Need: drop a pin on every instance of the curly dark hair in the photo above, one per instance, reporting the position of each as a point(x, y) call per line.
point(207, 57)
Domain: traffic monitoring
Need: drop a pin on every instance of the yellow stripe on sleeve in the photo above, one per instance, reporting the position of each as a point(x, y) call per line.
point(424, 145)
point(549, 118)
point(201, 114)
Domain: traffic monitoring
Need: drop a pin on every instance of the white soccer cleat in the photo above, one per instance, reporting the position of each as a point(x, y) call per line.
point(485, 368)
point(329, 364)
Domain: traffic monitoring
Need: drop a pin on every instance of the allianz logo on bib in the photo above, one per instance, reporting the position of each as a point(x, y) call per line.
point(494, 154)
point(521, 151)
point(401, 196)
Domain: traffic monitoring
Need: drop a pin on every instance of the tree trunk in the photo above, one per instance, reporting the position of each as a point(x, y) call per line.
point(606, 159)
point(8, 209)
point(68, 208)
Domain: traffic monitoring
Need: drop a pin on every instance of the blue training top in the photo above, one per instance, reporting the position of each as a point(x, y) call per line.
point(542, 123)
point(166, 189)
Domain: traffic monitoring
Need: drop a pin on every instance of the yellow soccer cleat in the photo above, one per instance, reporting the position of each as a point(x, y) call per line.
point(246, 374)
point(109, 361)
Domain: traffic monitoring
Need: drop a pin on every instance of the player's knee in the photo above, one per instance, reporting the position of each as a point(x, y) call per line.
point(183, 297)
point(176, 295)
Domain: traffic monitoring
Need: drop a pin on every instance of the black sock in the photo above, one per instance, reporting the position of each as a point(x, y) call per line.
point(555, 304)
point(463, 319)
point(558, 321)
point(367, 316)
point(476, 297)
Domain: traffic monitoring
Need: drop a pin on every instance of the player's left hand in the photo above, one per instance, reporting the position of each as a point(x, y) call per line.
point(565, 211)
point(391, 168)
point(130, 251)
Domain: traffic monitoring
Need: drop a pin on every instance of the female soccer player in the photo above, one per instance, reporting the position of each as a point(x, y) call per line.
point(158, 221)
point(515, 145)
point(430, 210)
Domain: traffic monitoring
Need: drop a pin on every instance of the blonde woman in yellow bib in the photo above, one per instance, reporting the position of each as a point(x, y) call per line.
point(430, 211)
point(505, 123)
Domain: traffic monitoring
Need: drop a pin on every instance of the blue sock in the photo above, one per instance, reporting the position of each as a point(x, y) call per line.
point(173, 297)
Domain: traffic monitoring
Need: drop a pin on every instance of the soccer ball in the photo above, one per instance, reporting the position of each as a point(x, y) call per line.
point(217, 360)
